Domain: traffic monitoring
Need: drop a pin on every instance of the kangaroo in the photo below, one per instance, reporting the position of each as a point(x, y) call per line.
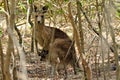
point(61, 53)
point(58, 50)
point(43, 34)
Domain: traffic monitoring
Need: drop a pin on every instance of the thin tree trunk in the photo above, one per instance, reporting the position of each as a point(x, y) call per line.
point(87, 72)
point(11, 24)
point(107, 38)
point(10, 19)
point(76, 34)
point(108, 18)
point(10, 46)
point(2, 61)
point(29, 22)
point(100, 33)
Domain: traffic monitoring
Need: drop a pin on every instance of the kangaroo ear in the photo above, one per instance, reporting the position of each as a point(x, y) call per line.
point(35, 8)
point(45, 8)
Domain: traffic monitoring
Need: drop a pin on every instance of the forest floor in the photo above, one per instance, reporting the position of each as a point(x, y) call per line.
point(41, 71)
point(38, 70)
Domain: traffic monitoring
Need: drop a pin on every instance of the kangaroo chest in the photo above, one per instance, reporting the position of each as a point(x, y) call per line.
point(38, 35)
point(43, 36)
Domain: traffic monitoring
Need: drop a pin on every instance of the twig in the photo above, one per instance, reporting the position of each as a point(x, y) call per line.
point(2, 10)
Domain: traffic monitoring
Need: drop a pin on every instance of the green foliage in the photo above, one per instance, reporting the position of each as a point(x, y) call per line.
point(66, 0)
point(78, 2)
point(0, 32)
point(22, 6)
point(49, 4)
point(30, 1)
point(1, 7)
point(1, 4)
point(1, 10)
point(60, 11)
point(118, 12)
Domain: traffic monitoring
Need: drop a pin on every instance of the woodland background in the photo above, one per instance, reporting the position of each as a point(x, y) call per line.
point(93, 24)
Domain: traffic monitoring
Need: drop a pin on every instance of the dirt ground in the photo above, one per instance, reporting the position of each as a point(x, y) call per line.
point(38, 70)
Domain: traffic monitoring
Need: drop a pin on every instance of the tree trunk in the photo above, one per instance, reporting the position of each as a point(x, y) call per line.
point(112, 34)
point(76, 34)
point(2, 61)
point(9, 48)
point(10, 19)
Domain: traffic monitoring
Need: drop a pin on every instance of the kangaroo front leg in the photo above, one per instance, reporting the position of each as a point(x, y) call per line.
point(36, 45)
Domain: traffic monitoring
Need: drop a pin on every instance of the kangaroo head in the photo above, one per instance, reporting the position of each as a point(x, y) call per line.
point(39, 14)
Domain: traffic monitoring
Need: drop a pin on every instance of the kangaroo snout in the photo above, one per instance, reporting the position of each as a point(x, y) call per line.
point(39, 19)
point(38, 22)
